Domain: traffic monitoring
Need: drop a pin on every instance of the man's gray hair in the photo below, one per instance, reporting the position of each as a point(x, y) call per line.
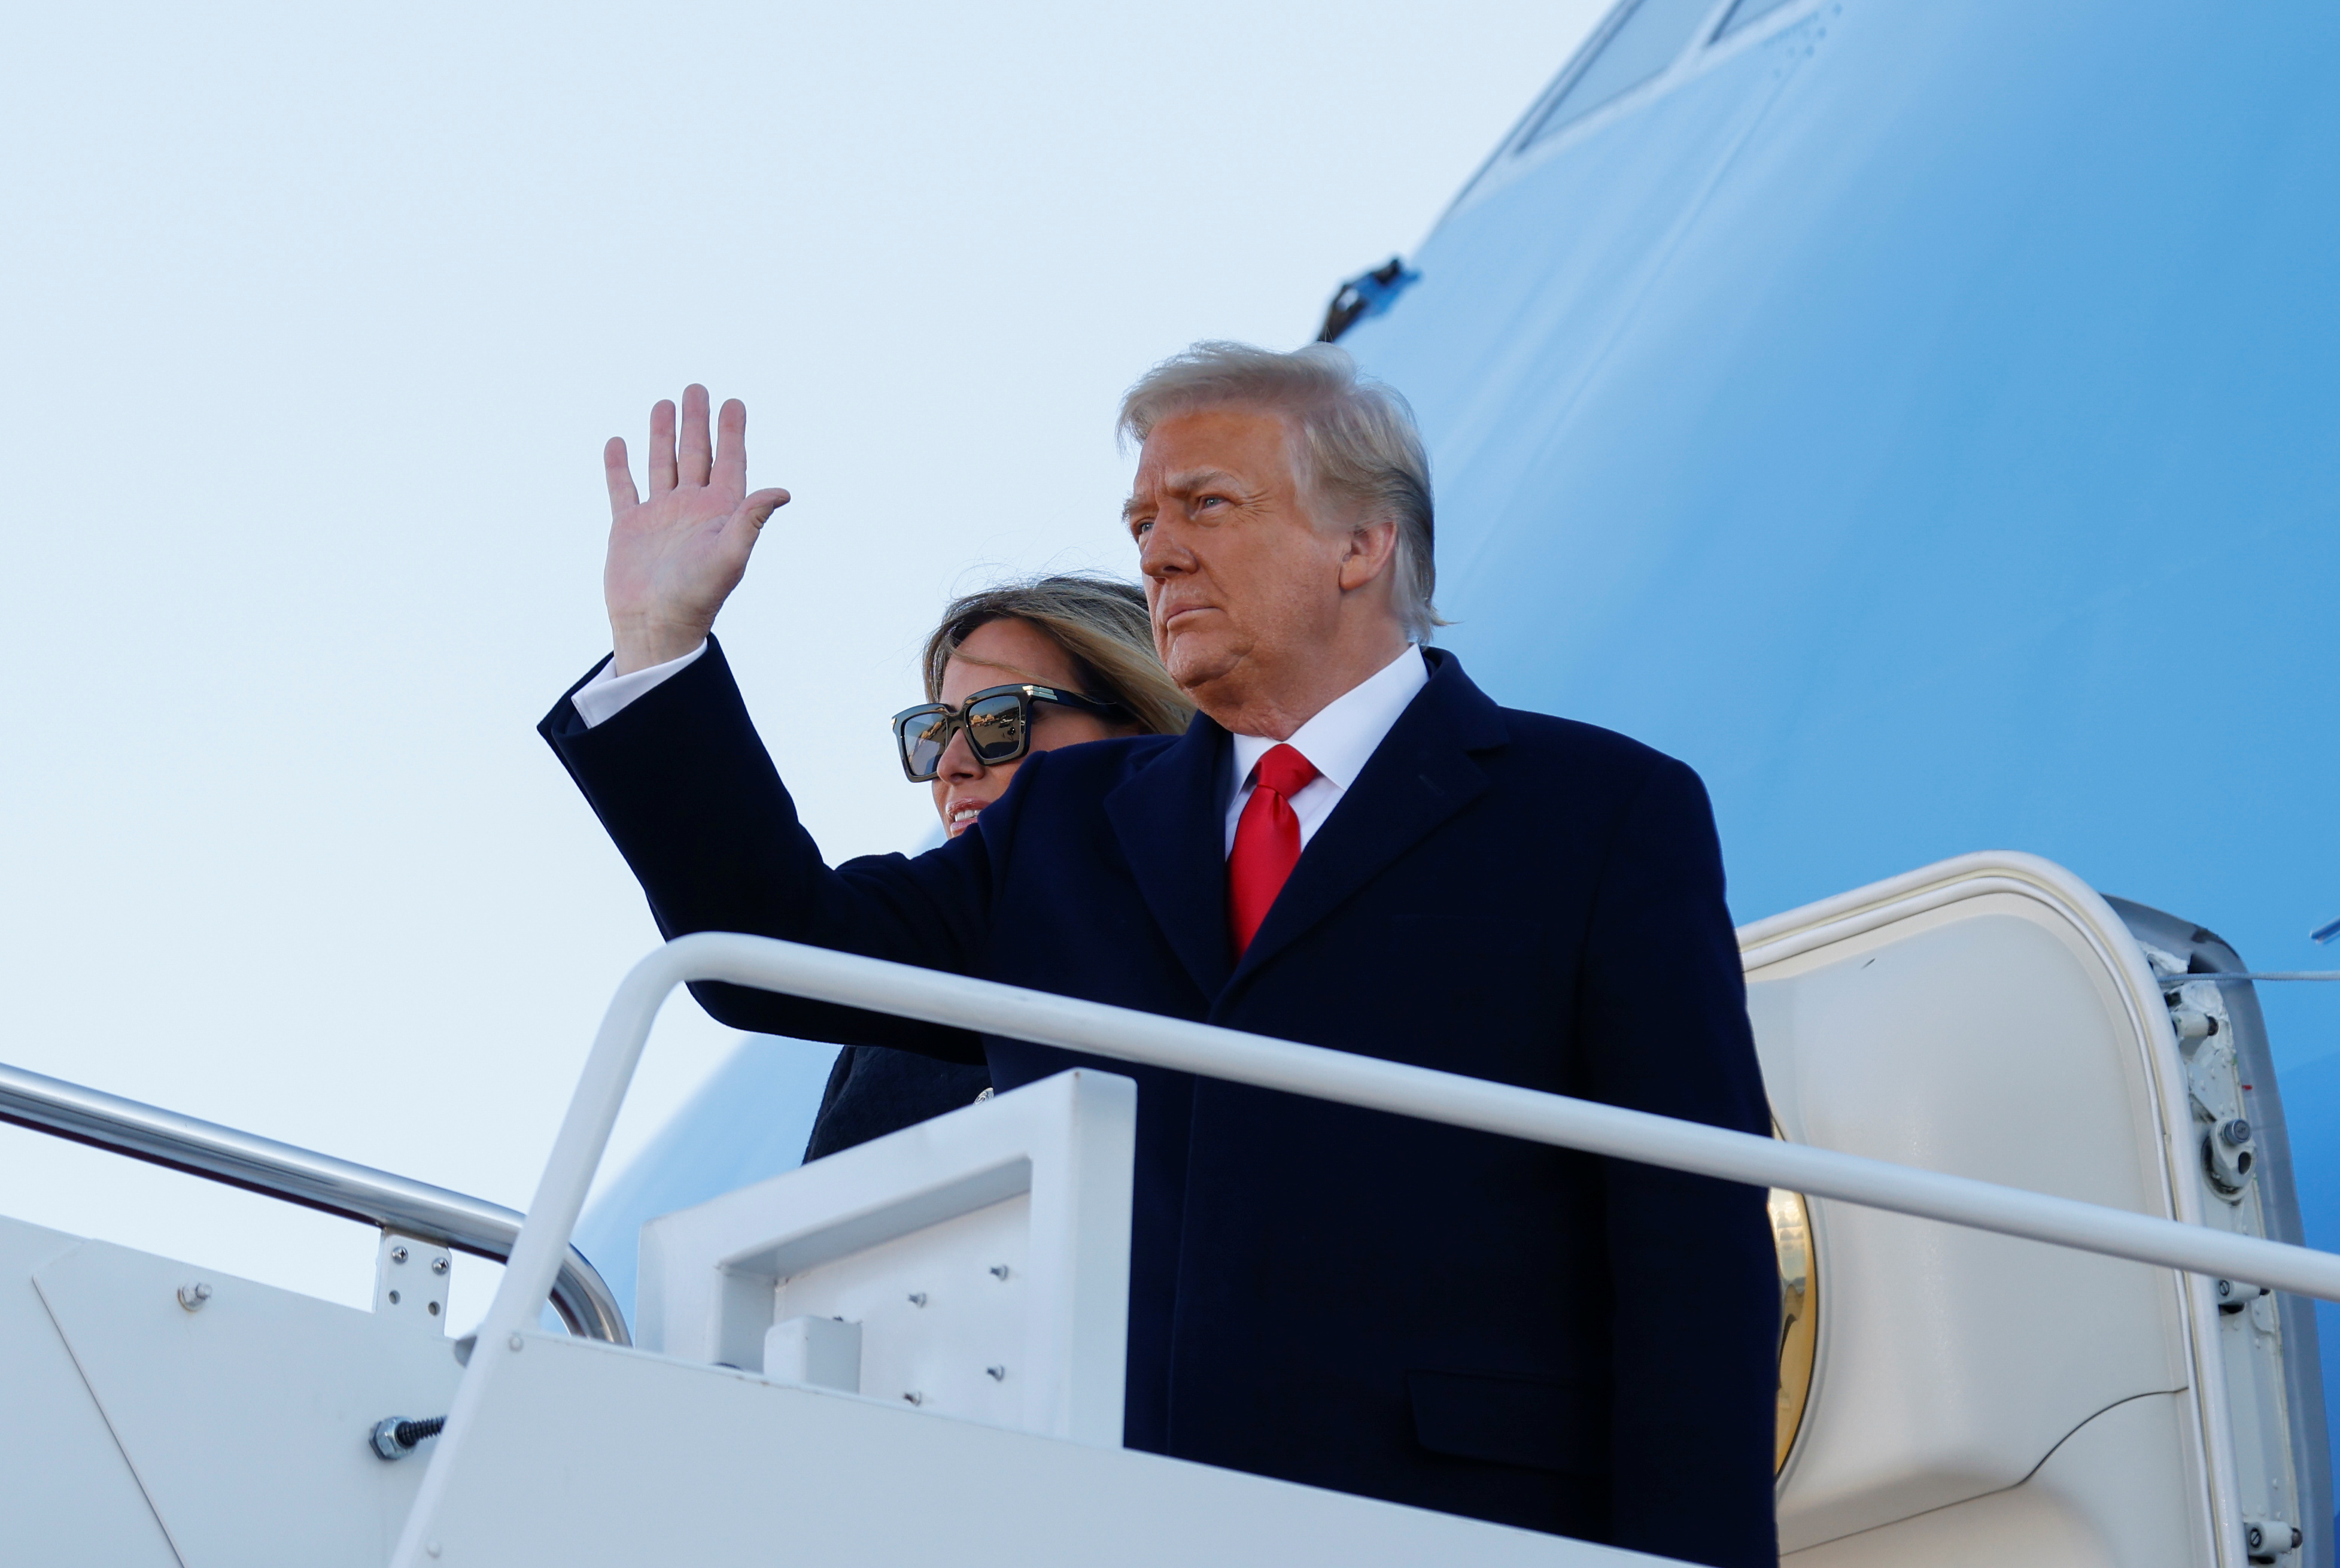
point(1354, 442)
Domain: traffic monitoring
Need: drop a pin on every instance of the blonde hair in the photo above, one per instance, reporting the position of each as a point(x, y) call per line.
point(1101, 625)
point(1352, 442)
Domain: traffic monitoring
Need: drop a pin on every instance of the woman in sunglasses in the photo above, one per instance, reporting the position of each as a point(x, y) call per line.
point(1022, 668)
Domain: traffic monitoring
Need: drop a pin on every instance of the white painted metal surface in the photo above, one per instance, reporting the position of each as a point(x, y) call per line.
point(66, 1493)
point(410, 1276)
point(801, 1476)
point(246, 1421)
point(1985, 1037)
point(2107, 1497)
point(983, 1256)
point(1941, 1060)
point(809, 1351)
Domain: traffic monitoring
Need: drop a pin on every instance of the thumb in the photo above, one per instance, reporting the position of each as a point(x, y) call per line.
point(757, 509)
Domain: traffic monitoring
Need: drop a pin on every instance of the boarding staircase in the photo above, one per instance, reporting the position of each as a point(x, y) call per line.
point(2042, 1294)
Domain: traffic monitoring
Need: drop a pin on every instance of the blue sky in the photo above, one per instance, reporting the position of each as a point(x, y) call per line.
point(315, 322)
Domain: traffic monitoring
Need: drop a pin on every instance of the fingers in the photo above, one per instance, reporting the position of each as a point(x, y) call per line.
point(695, 453)
point(662, 456)
point(731, 446)
point(614, 468)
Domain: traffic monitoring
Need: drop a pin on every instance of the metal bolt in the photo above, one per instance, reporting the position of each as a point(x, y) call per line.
point(398, 1255)
point(438, 1265)
point(918, 1298)
point(514, 1342)
point(2225, 1288)
point(435, 1309)
point(914, 1396)
point(2253, 1537)
point(2235, 1132)
point(192, 1297)
point(384, 1441)
point(394, 1298)
point(999, 1271)
point(999, 1374)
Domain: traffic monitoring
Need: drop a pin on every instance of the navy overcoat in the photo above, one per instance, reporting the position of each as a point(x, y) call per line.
point(873, 1090)
point(1336, 1297)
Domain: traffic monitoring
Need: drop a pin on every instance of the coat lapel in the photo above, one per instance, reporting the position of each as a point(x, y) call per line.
point(1172, 826)
point(1420, 775)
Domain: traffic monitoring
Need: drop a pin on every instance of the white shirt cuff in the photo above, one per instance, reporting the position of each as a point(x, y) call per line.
point(605, 696)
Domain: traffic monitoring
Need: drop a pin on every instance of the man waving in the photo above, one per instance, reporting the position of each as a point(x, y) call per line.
point(1351, 847)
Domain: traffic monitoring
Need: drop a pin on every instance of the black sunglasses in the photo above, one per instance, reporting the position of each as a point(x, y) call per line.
point(997, 720)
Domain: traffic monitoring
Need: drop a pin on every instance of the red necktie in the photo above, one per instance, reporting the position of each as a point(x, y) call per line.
point(1268, 841)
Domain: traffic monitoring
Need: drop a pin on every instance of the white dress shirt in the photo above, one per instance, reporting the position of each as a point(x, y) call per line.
point(605, 696)
point(1336, 741)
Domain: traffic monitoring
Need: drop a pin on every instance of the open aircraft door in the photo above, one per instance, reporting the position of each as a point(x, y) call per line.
point(1949, 1397)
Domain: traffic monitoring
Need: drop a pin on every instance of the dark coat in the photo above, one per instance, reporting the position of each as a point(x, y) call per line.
point(1336, 1297)
point(873, 1090)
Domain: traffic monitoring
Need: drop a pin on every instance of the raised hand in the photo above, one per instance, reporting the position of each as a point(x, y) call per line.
point(675, 558)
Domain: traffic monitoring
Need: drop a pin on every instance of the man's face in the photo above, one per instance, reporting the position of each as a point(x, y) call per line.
point(1243, 582)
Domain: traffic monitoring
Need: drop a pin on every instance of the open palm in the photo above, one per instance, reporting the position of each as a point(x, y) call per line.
point(675, 558)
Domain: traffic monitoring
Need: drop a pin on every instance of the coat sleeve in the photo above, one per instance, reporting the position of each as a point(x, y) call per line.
point(1664, 1028)
point(686, 790)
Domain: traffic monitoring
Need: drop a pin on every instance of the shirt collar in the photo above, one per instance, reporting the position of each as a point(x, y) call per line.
point(1343, 734)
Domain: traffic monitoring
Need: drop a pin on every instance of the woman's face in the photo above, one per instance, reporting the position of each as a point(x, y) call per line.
point(1007, 653)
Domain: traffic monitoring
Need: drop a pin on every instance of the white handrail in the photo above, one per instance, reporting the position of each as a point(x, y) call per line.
point(1320, 1073)
point(1313, 1071)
